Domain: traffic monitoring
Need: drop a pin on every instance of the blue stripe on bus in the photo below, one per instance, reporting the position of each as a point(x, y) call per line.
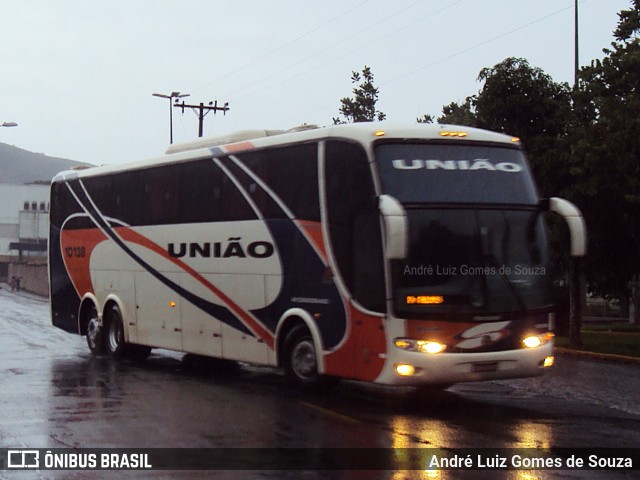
point(221, 313)
point(322, 297)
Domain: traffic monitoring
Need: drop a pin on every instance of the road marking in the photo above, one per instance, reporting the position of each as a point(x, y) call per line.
point(331, 413)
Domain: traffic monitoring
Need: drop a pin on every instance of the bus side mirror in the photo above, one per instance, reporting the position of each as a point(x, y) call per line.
point(396, 228)
point(575, 222)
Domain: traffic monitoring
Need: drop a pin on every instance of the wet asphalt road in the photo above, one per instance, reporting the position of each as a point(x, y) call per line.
point(55, 394)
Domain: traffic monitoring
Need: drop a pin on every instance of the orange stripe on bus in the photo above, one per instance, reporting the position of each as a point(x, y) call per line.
point(132, 236)
point(313, 231)
point(238, 147)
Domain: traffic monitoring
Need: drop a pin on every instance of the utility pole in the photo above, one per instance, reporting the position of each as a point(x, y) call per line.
point(171, 96)
point(576, 65)
point(202, 110)
point(577, 279)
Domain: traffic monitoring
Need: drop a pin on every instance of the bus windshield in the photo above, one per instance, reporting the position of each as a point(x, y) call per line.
point(472, 261)
point(477, 242)
point(454, 173)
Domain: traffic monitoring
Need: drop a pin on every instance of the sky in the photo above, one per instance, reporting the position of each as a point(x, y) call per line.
point(78, 75)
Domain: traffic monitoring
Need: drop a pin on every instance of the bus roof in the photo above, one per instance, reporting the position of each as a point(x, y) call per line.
point(365, 132)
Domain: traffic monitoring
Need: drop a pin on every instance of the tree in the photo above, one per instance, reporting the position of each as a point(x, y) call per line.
point(582, 144)
point(606, 160)
point(524, 101)
point(460, 114)
point(426, 118)
point(362, 107)
point(521, 100)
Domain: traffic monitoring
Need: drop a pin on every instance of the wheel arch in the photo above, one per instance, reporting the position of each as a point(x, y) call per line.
point(86, 303)
point(287, 322)
point(114, 301)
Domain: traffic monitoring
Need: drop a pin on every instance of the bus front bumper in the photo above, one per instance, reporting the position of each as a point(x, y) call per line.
point(417, 368)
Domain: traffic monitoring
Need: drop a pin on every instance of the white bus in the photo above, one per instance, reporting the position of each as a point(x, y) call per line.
point(402, 255)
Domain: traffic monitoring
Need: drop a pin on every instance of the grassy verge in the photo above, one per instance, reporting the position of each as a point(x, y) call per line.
point(611, 327)
point(616, 339)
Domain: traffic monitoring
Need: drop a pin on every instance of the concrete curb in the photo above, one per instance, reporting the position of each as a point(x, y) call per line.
point(598, 356)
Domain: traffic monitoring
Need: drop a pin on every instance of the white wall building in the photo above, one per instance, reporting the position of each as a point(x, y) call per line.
point(24, 221)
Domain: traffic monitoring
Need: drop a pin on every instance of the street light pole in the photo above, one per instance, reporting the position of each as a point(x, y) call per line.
point(576, 55)
point(171, 96)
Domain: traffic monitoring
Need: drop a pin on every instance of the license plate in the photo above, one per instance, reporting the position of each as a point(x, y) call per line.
point(485, 367)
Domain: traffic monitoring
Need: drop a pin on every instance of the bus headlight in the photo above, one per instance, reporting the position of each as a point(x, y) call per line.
point(432, 347)
point(533, 341)
point(424, 346)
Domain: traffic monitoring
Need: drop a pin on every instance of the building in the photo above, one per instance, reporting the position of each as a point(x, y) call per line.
point(24, 225)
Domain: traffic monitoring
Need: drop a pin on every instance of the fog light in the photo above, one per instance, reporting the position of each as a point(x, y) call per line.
point(405, 370)
point(532, 342)
point(548, 362)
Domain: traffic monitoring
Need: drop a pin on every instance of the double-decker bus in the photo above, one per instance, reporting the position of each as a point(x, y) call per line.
point(402, 255)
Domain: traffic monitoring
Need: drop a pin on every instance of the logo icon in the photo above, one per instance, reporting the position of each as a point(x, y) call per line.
point(483, 335)
point(23, 459)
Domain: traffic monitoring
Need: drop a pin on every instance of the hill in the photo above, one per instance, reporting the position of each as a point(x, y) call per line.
point(22, 166)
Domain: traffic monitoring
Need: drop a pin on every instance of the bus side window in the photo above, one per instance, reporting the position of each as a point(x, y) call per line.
point(291, 173)
point(62, 204)
point(354, 224)
point(100, 191)
point(126, 197)
point(161, 194)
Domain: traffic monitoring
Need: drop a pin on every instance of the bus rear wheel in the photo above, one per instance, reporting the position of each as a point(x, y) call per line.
point(114, 339)
point(300, 358)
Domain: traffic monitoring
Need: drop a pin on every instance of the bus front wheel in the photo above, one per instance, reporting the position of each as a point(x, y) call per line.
point(300, 360)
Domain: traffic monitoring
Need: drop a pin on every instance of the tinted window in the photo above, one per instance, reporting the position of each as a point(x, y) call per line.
point(62, 204)
point(354, 223)
point(162, 188)
point(423, 173)
point(170, 194)
point(289, 172)
point(126, 197)
point(476, 260)
point(209, 195)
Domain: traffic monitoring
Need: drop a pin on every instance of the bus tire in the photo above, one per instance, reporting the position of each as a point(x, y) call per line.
point(300, 358)
point(114, 333)
point(95, 332)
